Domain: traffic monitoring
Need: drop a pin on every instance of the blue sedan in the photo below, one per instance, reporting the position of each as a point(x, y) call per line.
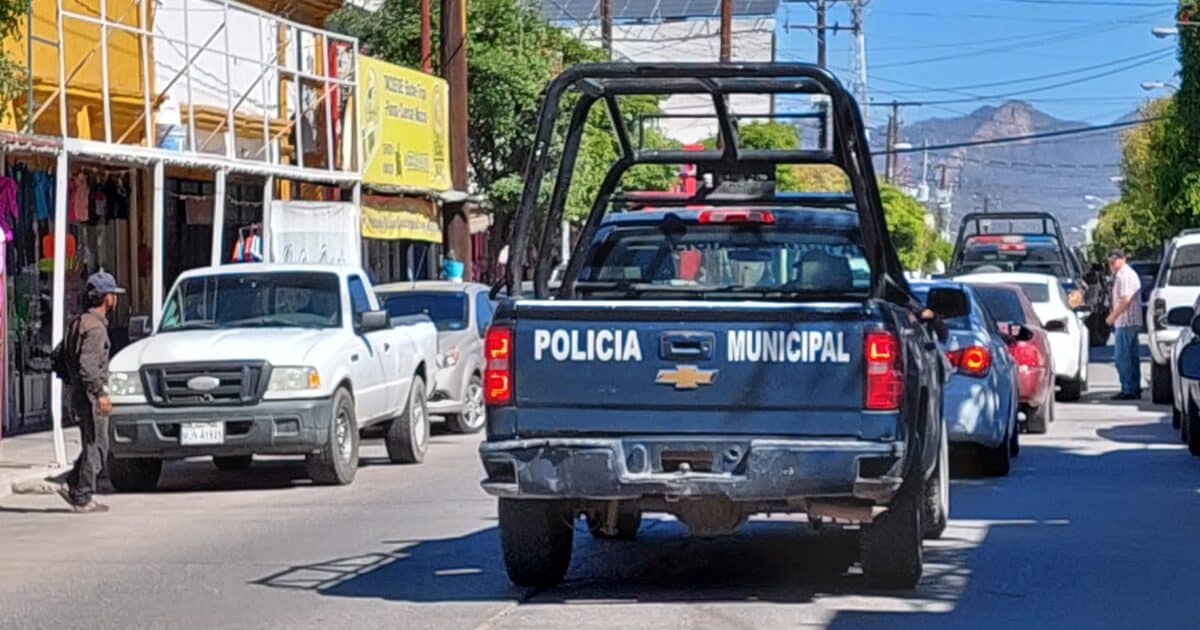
point(980, 401)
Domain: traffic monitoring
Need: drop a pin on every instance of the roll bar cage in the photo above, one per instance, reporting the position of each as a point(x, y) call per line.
point(605, 82)
point(1050, 227)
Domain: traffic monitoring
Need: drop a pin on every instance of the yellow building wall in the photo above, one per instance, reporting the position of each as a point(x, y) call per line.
point(82, 64)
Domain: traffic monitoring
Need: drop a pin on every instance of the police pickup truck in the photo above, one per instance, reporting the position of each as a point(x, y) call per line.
point(713, 357)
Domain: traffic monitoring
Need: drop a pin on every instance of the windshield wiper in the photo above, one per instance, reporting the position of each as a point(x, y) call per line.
point(192, 326)
point(267, 321)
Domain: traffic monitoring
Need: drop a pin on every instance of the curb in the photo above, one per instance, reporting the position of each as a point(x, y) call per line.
point(9, 484)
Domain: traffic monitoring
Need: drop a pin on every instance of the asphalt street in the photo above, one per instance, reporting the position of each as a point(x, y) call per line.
point(1094, 528)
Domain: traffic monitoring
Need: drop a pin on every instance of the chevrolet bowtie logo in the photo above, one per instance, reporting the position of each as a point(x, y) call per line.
point(686, 377)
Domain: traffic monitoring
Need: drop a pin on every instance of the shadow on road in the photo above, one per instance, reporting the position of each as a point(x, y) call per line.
point(1062, 555)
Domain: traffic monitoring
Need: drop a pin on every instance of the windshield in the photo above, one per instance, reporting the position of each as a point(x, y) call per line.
point(447, 310)
point(1003, 304)
point(1185, 267)
point(990, 254)
point(725, 259)
point(300, 299)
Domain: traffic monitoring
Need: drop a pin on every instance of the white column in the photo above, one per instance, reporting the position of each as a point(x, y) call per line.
point(156, 244)
point(268, 197)
point(356, 199)
point(218, 218)
point(58, 315)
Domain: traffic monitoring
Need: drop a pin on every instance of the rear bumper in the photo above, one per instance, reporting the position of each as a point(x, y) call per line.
point(750, 469)
point(1033, 385)
point(286, 427)
point(973, 412)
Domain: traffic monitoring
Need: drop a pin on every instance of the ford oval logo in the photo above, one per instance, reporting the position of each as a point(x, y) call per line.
point(203, 383)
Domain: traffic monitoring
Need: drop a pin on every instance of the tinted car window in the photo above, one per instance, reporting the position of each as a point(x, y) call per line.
point(254, 300)
point(447, 310)
point(1185, 267)
point(359, 302)
point(1003, 304)
point(483, 311)
point(727, 258)
point(1036, 292)
point(954, 323)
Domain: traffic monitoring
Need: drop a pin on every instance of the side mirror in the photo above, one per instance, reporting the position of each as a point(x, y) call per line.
point(1181, 316)
point(948, 303)
point(1055, 325)
point(372, 321)
point(1189, 361)
point(139, 327)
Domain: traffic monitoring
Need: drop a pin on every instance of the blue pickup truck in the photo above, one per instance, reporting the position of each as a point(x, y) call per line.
point(717, 356)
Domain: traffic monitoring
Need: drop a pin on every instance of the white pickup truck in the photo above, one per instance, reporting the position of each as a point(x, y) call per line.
point(270, 359)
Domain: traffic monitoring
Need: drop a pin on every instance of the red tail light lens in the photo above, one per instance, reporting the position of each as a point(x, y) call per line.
point(736, 216)
point(1027, 354)
point(885, 381)
point(972, 360)
point(497, 373)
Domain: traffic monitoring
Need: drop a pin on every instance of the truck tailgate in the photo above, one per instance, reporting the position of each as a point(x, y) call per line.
point(762, 368)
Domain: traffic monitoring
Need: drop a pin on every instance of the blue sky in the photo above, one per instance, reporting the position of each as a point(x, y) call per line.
point(961, 50)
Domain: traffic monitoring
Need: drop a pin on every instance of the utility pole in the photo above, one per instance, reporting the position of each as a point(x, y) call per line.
point(821, 33)
point(726, 31)
point(987, 202)
point(426, 37)
point(606, 24)
point(860, 58)
point(893, 131)
point(456, 226)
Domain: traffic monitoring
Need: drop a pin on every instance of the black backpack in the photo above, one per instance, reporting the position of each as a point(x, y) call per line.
point(58, 356)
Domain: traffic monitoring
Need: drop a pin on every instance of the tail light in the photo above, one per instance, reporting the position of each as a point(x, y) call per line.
point(1027, 354)
point(497, 372)
point(972, 360)
point(1160, 313)
point(885, 381)
point(736, 216)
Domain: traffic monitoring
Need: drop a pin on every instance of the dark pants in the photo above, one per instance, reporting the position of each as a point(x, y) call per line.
point(93, 431)
point(1127, 359)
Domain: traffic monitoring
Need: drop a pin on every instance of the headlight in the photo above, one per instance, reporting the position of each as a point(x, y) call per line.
point(294, 379)
point(124, 384)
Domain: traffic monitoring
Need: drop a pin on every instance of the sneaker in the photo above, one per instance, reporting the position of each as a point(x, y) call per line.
point(90, 507)
point(64, 491)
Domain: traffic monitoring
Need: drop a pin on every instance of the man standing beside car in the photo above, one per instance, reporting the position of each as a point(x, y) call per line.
point(1126, 320)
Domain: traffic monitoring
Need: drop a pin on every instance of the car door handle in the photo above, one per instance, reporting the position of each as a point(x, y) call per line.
point(387, 347)
point(353, 357)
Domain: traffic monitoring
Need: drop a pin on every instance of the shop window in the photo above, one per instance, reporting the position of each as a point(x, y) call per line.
point(187, 227)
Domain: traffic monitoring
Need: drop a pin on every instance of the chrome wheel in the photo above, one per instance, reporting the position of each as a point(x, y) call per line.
point(474, 411)
point(342, 429)
point(420, 422)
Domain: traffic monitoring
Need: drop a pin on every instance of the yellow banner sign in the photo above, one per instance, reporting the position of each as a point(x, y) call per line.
point(404, 135)
point(400, 218)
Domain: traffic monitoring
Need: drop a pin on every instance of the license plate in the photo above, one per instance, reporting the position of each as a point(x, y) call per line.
point(201, 433)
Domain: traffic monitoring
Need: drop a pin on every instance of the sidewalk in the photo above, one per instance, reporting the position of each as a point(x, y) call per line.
point(30, 457)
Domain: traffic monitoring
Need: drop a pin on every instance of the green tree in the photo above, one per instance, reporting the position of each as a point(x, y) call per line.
point(915, 243)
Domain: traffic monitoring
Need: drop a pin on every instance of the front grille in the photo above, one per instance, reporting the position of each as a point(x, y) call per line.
point(240, 383)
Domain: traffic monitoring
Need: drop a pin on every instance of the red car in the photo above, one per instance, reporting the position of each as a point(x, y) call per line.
point(1030, 349)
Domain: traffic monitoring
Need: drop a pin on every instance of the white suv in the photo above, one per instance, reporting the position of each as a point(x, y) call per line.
point(1177, 284)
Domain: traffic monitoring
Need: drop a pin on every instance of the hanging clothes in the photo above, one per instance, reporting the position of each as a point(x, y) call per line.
point(79, 197)
point(8, 206)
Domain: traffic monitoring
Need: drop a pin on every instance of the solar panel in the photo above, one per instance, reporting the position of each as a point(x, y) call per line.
point(650, 10)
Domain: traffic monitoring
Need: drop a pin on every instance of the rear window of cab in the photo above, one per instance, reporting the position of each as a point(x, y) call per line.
point(752, 256)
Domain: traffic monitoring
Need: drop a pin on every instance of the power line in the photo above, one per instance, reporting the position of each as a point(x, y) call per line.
point(1021, 138)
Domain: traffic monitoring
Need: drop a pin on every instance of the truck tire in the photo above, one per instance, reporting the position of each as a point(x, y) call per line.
point(937, 495)
point(407, 438)
point(1160, 384)
point(536, 538)
point(1014, 441)
point(1038, 420)
point(1071, 389)
point(996, 461)
point(1192, 431)
point(474, 414)
point(1176, 417)
point(337, 462)
point(134, 475)
point(892, 544)
point(629, 521)
point(231, 463)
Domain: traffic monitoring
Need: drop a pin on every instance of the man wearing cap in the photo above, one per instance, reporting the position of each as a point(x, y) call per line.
point(87, 347)
point(1126, 320)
